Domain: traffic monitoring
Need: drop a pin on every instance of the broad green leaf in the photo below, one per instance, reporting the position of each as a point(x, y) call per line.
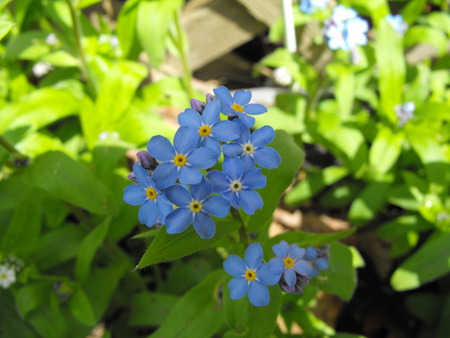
point(340, 277)
point(12, 192)
point(378, 9)
point(187, 318)
point(31, 296)
point(277, 179)
point(5, 27)
point(279, 119)
point(344, 89)
point(412, 10)
point(429, 35)
point(401, 196)
point(391, 66)
point(49, 322)
point(4, 3)
point(315, 181)
point(81, 308)
point(88, 248)
point(310, 324)
point(428, 263)
point(440, 20)
point(385, 150)
point(367, 205)
point(70, 181)
point(86, 3)
point(281, 57)
point(11, 325)
point(126, 27)
point(151, 309)
point(167, 247)
point(61, 58)
point(27, 46)
point(339, 196)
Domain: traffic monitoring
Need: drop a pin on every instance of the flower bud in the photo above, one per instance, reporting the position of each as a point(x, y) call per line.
point(145, 159)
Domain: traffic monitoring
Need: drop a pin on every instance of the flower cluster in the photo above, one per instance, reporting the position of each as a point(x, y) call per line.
point(398, 24)
point(10, 266)
point(309, 6)
point(291, 268)
point(171, 186)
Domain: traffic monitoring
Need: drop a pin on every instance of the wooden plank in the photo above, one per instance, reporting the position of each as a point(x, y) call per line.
point(266, 11)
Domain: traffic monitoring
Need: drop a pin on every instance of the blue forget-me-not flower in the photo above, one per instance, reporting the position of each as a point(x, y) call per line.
point(309, 6)
point(397, 23)
point(237, 186)
point(318, 258)
point(404, 112)
point(238, 105)
point(251, 276)
point(209, 127)
point(195, 206)
point(154, 205)
point(182, 160)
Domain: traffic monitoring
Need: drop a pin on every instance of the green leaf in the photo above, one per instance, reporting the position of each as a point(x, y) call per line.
point(27, 46)
point(385, 149)
point(197, 314)
point(70, 181)
point(11, 325)
point(126, 27)
point(428, 263)
point(280, 119)
point(428, 35)
point(340, 277)
point(440, 20)
point(81, 308)
point(412, 10)
point(391, 65)
point(444, 324)
point(4, 3)
point(31, 296)
point(344, 86)
point(310, 324)
point(277, 179)
point(151, 309)
point(167, 247)
point(88, 248)
point(48, 322)
point(86, 3)
point(5, 27)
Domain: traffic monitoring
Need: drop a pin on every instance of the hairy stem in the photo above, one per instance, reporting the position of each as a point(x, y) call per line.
point(243, 237)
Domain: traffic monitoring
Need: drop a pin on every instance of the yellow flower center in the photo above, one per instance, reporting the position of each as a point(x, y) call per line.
point(236, 185)
point(3, 276)
point(248, 149)
point(204, 131)
point(195, 206)
point(250, 275)
point(237, 107)
point(179, 160)
point(175, 206)
point(151, 193)
point(288, 262)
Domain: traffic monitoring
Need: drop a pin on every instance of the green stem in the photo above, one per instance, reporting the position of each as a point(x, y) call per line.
point(10, 149)
point(313, 97)
point(182, 50)
point(243, 237)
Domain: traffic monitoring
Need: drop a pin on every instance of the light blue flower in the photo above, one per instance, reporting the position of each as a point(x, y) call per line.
point(209, 127)
point(251, 148)
point(154, 205)
point(195, 206)
point(180, 161)
point(250, 276)
point(318, 258)
point(237, 186)
point(238, 105)
point(309, 6)
point(397, 23)
point(404, 112)
point(346, 30)
point(289, 262)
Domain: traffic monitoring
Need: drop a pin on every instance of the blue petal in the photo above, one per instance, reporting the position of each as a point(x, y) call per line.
point(250, 201)
point(211, 113)
point(266, 276)
point(142, 176)
point(263, 136)
point(267, 157)
point(223, 94)
point(254, 256)
point(216, 206)
point(161, 148)
point(303, 267)
point(185, 140)
point(258, 294)
point(248, 163)
point(232, 167)
point(226, 131)
point(290, 277)
point(134, 195)
point(276, 266)
point(281, 249)
point(190, 118)
point(232, 198)
point(212, 143)
point(296, 252)
point(253, 179)
point(164, 208)
point(227, 110)
point(219, 181)
point(247, 120)
point(165, 175)
point(238, 287)
point(204, 225)
point(201, 190)
point(245, 132)
point(232, 149)
point(235, 266)
point(321, 263)
point(255, 109)
point(178, 195)
point(242, 97)
point(189, 175)
point(148, 213)
point(310, 254)
point(202, 158)
point(178, 220)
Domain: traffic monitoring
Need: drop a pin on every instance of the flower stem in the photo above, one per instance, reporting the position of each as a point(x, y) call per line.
point(243, 237)
point(18, 157)
point(313, 97)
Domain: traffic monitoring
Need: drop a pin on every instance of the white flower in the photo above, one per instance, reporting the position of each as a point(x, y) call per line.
point(41, 68)
point(7, 276)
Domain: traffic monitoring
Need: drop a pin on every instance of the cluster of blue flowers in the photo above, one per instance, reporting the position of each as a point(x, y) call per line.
point(172, 189)
point(291, 268)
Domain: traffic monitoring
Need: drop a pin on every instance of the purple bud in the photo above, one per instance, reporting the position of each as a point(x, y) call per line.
point(197, 105)
point(209, 98)
point(131, 176)
point(297, 288)
point(145, 159)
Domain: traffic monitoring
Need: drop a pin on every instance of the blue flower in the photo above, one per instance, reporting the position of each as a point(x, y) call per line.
point(251, 148)
point(397, 23)
point(195, 207)
point(238, 105)
point(309, 6)
point(250, 276)
point(209, 127)
point(318, 258)
point(346, 30)
point(236, 186)
point(289, 262)
point(154, 204)
point(404, 112)
point(182, 160)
